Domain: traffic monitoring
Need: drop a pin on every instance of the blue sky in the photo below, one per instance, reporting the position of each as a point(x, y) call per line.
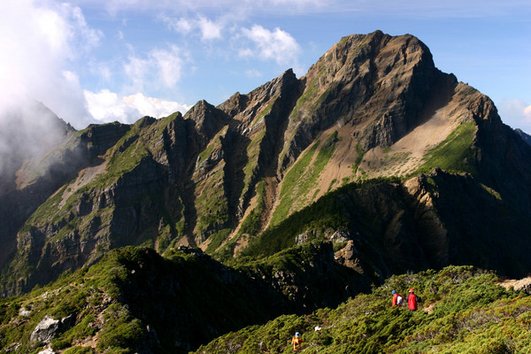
point(120, 59)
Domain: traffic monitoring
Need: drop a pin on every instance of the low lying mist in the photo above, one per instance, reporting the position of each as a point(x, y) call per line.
point(27, 130)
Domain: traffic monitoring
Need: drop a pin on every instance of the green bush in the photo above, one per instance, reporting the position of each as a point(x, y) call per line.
point(123, 333)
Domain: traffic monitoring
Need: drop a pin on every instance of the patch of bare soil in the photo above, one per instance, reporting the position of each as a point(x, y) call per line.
point(203, 246)
point(429, 309)
point(90, 342)
point(516, 284)
point(407, 154)
point(241, 244)
point(84, 177)
point(339, 168)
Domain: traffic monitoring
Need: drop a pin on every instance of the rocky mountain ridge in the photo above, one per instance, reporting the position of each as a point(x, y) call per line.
point(135, 299)
point(227, 178)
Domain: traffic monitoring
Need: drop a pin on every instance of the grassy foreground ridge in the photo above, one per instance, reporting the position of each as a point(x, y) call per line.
point(463, 310)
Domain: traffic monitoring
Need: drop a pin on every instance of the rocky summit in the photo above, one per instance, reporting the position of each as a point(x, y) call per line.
point(374, 163)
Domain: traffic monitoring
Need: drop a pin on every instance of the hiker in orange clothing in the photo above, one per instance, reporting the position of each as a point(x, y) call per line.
point(296, 341)
point(397, 299)
point(412, 300)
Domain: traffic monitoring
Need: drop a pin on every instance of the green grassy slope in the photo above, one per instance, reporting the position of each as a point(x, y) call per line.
point(454, 153)
point(301, 178)
point(135, 300)
point(336, 210)
point(463, 310)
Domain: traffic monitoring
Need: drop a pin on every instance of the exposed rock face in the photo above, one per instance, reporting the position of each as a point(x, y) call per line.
point(45, 330)
point(313, 279)
point(47, 351)
point(378, 84)
point(373, 106)
point(48, 328)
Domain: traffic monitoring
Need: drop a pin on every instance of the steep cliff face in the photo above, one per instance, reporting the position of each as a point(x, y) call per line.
point(223, 178)
point(377, 85)
point(42, 159)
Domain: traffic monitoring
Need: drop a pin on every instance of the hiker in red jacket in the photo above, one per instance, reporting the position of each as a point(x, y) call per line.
point(412, 300)
point(397, 299)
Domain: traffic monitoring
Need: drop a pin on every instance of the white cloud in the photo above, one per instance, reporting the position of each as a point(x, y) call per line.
point(91, 37)
point(136, 69)
point(516, 109)
point(423, 8)
point(253, 73)
point(108, 106)
point(165, 65)
point(183, 25)
point(209, 29)
point(256, 42)
point(296, 2)
point(101, 70)
point(40, 40)
point(169, 65)
point(180, 25)
point(516, 113)
point(246, 52)
point(527, 113)
point(249, 6)
point(276, 45)
point(155, 107)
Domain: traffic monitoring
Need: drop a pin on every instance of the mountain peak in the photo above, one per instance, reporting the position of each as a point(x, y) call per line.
point(382, 51)
point(207, 118)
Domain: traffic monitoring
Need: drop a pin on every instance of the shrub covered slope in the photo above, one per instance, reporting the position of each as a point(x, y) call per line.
point(135, 300)
point(463, 310)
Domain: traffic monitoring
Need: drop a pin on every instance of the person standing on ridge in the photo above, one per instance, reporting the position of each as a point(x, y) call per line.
point(412, 300)
point(296, 341)
point(397, 299)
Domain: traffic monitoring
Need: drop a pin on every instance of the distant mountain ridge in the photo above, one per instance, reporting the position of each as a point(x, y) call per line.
point(227, 178)
point(26, 135)
point(525, 137)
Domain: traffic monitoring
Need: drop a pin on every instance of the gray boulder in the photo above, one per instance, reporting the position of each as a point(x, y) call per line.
point(45, 330)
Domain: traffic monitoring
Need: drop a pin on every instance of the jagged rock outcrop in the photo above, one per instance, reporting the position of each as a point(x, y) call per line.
point(45, 330)
point(48, 328)
point(378, 84)
point(45, 167)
